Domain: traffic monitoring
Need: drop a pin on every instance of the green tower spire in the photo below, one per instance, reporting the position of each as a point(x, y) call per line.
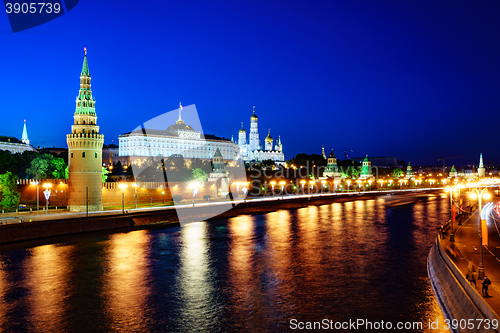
point(85, 103)
point(481, 161)
point(85, 67)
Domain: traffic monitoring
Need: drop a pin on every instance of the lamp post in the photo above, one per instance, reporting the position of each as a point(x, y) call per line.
point(282, 183)
point(47, 196)
point(348, 183)
point(37, 197)
point(135, 194)
point(480, 195)
point(123, 186)
point(302, 182)
point(272, 184)
point(195, 185)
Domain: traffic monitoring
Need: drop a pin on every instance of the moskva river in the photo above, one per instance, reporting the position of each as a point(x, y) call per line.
point(269, 272)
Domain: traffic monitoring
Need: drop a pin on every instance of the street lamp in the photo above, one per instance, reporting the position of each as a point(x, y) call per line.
point(451, 189)
point(348, 183)
point(195, 185)
point(37, 196)
point(302, 182)
point(135, 194)
point(47, 196)
point(123, 186)
point(282, 183)
point(480, 195)
point(272, 184)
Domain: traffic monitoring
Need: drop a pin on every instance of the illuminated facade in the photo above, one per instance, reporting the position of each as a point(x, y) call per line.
point(453, 172)
point(366, 169)
point(14, 145)
point(481, 171)
point(332, 169)
point(409, 172)
point(253, 150)
point(177, 139)
point(85, 151)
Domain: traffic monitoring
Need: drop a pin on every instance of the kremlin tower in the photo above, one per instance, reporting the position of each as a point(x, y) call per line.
point(85, 151)
point(481, 171)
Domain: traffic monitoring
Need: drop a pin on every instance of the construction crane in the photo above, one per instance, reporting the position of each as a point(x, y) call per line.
point(345, 152)
point(447, 158)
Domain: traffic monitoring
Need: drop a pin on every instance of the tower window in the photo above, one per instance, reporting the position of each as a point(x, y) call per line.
point(71, 154)
point(84, 122)
point(83, 154)
point(95, 155)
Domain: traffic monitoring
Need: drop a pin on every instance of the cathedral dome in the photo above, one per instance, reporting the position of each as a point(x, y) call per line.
point(254, 116)
point(269, 138)
point(242, 131)
point(179, 126)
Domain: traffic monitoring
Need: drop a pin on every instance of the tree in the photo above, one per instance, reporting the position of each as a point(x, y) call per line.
point(39, 167)
point(117, 169)
point(10, 195)
point(23, 162)
point(199, 175)
point(7, 162)
point(57, 167)
point(47, 166)
point(104, 174)
point(396, 173)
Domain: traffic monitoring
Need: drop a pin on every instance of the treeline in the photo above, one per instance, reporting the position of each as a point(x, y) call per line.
point(33, 165)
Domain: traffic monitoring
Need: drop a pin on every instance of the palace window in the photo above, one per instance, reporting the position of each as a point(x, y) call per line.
point(95, 155)
point(83, 154)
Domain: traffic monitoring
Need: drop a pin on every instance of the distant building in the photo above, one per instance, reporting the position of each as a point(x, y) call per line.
point(409, 172)
point(219, 174)
point(14, 145)
point(481, 171)
point(332, 169)
point(253, 150)
point(453, 172)
point(53, 150)
point(366, 169)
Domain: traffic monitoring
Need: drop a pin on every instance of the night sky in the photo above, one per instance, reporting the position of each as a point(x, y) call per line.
point(412, 79)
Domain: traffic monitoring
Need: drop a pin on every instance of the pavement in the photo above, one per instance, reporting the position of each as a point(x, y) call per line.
point(466, 249)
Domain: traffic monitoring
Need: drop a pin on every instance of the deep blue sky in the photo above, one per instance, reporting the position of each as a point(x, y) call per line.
point(412, 79)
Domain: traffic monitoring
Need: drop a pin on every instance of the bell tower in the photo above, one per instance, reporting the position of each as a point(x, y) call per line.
point(85, 151)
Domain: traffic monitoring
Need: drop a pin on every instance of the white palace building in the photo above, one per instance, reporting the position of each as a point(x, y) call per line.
point(14, 145)
point(183, 139)
point(177, 139)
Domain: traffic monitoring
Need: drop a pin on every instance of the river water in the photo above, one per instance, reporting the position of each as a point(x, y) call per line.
point(353, 260)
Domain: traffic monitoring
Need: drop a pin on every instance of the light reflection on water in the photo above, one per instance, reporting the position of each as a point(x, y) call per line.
point(249, 273)
point(126, 280)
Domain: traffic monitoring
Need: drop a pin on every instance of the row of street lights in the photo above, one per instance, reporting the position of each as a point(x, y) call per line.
point(479, 194)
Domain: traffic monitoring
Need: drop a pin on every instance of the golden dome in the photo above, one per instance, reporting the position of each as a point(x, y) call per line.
point(269, 138)
point(254, 116)
point(242, 131)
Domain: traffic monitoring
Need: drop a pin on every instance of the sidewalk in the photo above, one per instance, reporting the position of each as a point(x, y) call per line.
point(466, 248)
